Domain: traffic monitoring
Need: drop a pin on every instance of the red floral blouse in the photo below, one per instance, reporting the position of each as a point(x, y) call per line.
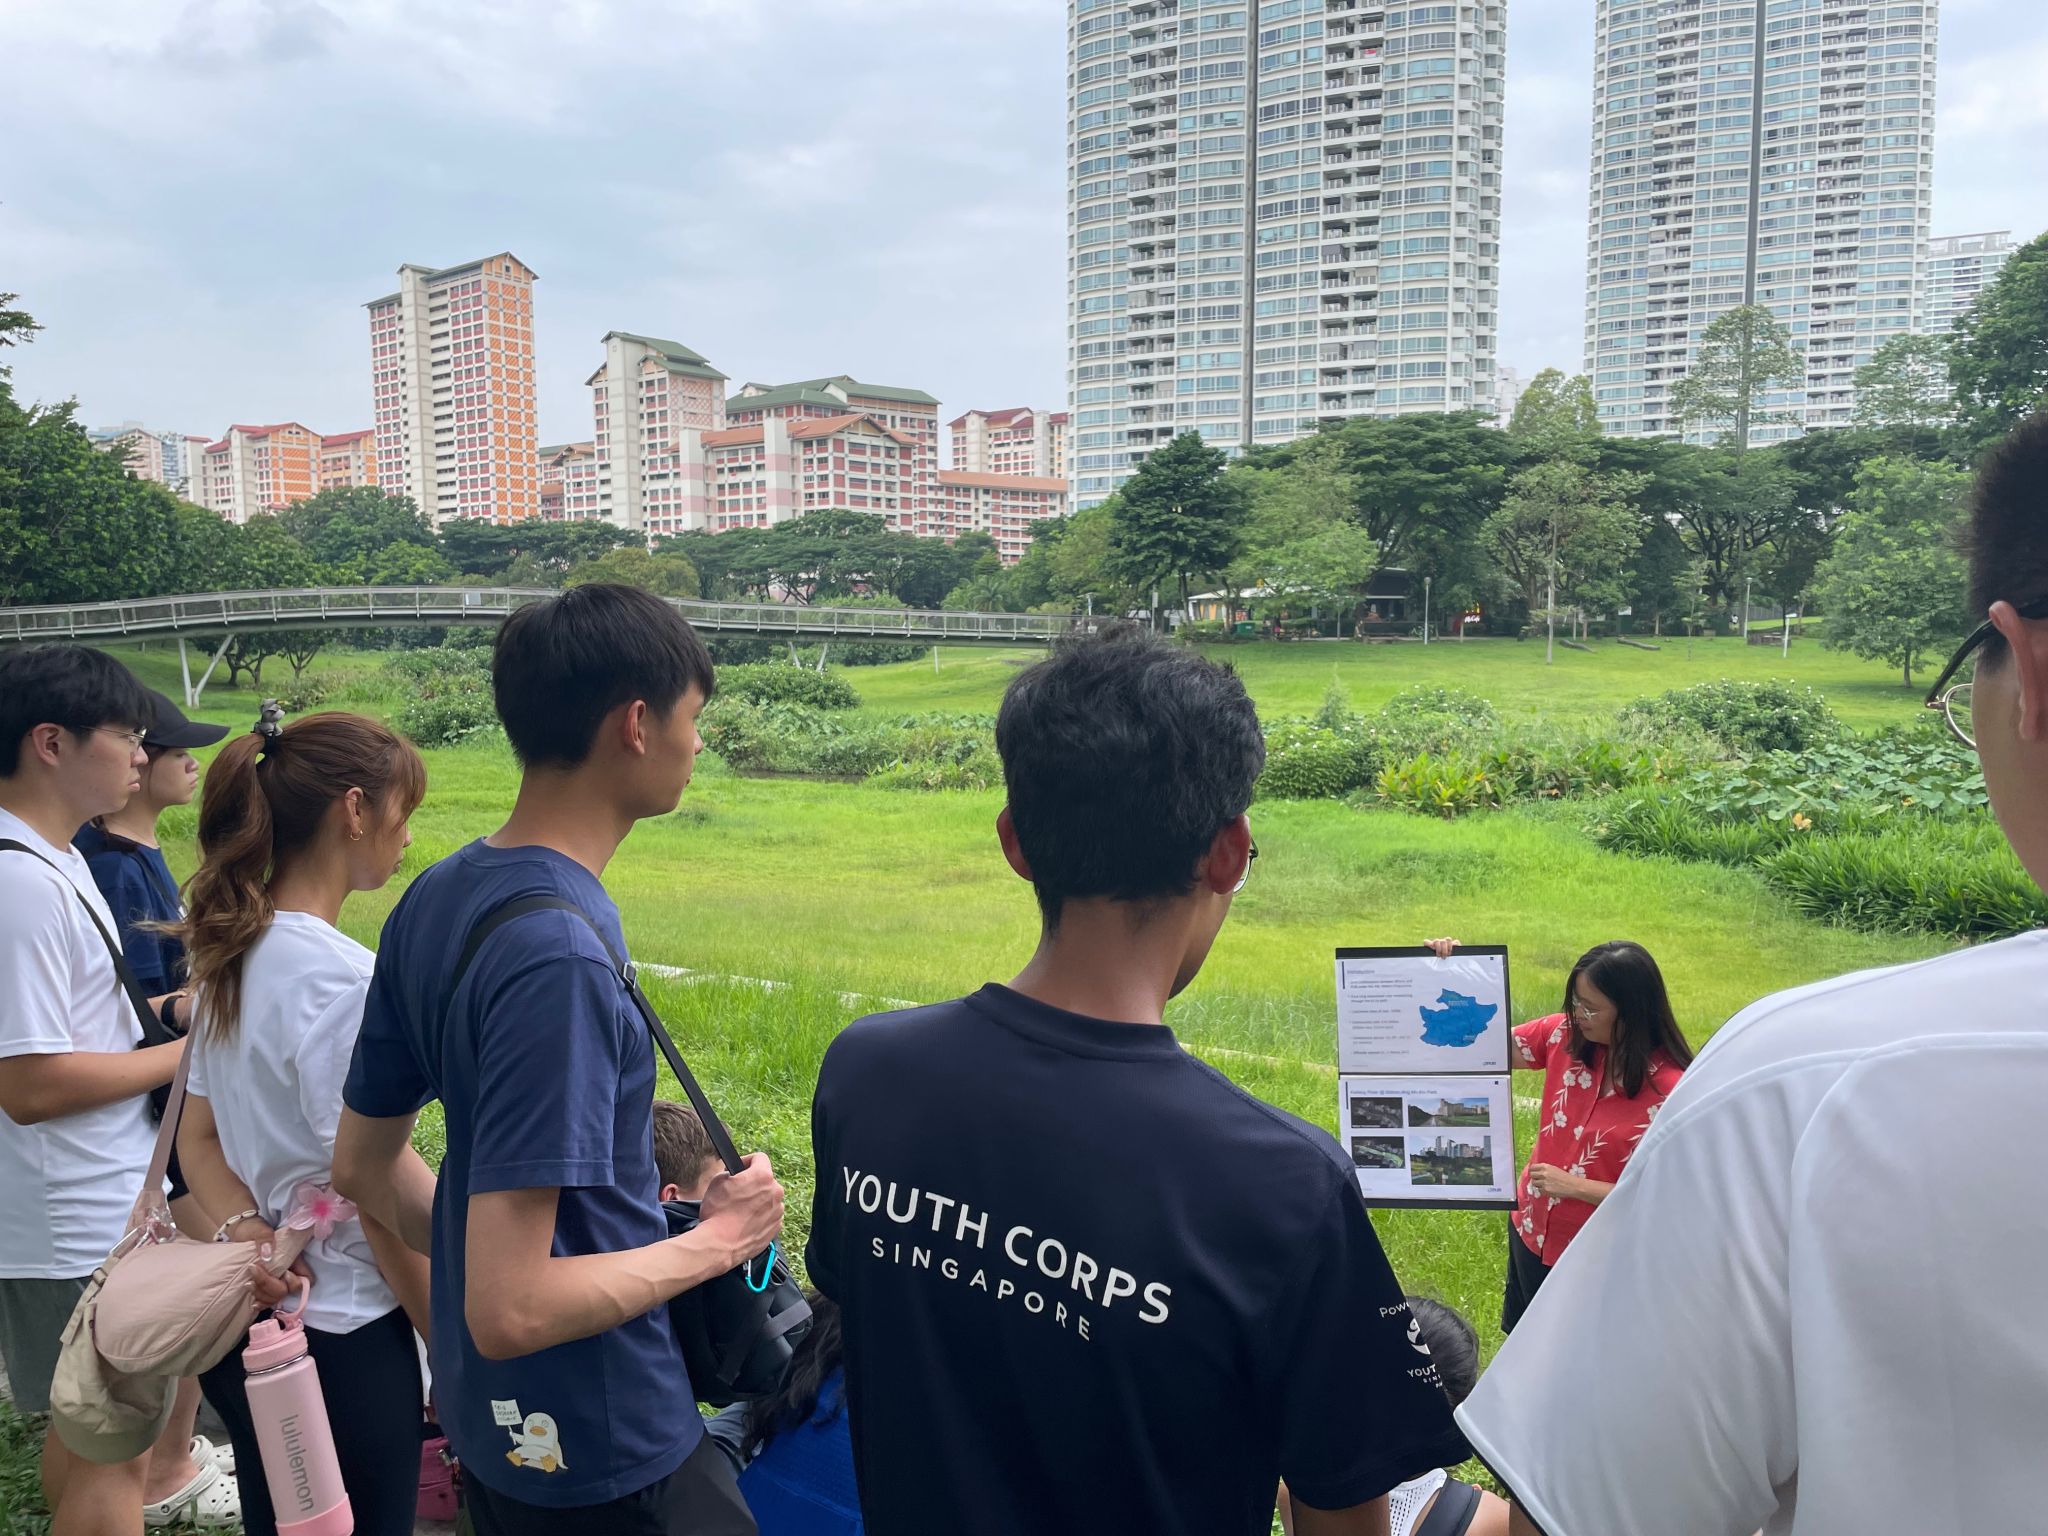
point(1586, 1129)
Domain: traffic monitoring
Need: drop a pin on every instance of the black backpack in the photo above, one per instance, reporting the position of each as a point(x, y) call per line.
point(737, 1331)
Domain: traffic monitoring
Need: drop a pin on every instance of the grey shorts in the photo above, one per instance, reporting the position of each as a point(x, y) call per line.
point(32, 1318)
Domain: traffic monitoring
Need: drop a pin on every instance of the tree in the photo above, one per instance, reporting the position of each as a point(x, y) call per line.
point(985, 588)
point(75, 526)
point(1555, 413)
point(1417, 474)
point(1998, 355)
point(1742, 358)
point(16, 325)
point(1179, 516)
point(1728, 508)
point(665, 575)
point(1905, 384)
point(345, 526)
point(1565, 532)
point(1895, 586)
point(1330, 568)
point(542, 552)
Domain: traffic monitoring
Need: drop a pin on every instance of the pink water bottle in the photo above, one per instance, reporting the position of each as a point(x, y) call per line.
point(292, 1432)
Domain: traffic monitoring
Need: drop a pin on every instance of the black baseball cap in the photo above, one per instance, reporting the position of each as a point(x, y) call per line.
point(168, 726)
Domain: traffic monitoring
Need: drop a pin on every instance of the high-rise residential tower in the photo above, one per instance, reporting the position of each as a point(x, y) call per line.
point(1959, 267)
point(1775, 152)
point(452, 381)
point(1280, 213)
point(648, 393)
point(1018, 441)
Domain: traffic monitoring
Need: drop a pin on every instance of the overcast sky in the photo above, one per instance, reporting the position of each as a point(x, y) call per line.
point(197, 196)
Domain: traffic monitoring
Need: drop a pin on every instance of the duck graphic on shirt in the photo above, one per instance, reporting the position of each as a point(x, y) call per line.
point(536, 1443)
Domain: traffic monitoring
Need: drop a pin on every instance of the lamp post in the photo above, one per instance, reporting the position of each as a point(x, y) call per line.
point(1425, 609)
point(1786, 649)
point(1746, 581)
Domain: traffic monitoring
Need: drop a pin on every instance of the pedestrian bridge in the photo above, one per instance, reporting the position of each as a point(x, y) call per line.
point(223, 615)
point(228, 613)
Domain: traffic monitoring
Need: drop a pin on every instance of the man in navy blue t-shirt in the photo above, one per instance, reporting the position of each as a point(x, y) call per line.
point(1088, 1283)
point(558, 1376)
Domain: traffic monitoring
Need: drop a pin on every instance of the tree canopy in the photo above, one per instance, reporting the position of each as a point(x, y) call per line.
point(1998, 355)
point(1893, 588)
point(1744, 356)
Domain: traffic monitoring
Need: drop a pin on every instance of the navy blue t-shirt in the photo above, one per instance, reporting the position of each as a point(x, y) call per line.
point(139, 889)
point(1090, 1284)
point(546, 1075)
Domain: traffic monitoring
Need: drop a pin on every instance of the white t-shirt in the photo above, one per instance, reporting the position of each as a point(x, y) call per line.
point(275, 1091)
point(1813, 1302)
point(66, 1185)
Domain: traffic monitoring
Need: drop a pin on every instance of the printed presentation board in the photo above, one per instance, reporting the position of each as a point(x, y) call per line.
point(1404, 1010)
point(1430, 1140)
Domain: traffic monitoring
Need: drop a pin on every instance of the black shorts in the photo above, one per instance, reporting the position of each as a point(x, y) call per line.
point(699, 1498)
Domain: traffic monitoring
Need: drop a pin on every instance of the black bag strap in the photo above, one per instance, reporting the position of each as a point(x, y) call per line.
point(153, 1031)
point(522, 906)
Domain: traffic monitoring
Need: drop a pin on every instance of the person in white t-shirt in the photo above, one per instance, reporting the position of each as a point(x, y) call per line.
point(1812, 1303)
point(75, 1127)
point(292, 821)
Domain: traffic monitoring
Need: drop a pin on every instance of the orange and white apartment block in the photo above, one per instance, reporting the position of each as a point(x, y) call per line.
point(645, 400)
point(912, 415)
point(1005, 507)
point(256, 469)
point(568, 482)
point(453, 383)
point(1018, 441)
point(348, 458)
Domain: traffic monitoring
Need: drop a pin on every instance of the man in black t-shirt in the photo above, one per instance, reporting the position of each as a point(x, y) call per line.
point(1088, 1283)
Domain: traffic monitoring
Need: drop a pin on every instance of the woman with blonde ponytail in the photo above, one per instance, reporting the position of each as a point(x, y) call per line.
point(293, 820)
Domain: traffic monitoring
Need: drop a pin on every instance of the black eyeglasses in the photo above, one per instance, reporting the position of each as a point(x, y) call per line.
point(1953, 699)
point(1245, 879)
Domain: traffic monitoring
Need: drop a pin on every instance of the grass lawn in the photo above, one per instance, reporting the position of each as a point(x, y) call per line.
point(828, 888)
point(1290, 678)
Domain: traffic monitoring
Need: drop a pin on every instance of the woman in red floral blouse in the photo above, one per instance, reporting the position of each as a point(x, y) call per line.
point(1608, 1063)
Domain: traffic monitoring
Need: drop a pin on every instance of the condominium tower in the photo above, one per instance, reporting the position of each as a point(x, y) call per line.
point(1774, 152)
point(1280, 214)
point(452, 383)
point(1959, 267)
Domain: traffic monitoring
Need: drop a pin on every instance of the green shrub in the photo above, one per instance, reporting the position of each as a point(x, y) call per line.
point(793, 738)
point(1750, 717)
point(769, 683)
point(1306, 762)
point(1662, 827)
point(978, 770)
point(300, 694)
point(945, 738)
point(1429, 785)
point(438, 663)
point(448, 717)
point(1875, 871)
point(1910, 772)
point(1941, 877)
point(1420, 702)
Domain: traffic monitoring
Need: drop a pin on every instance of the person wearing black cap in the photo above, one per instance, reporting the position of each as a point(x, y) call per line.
point(128, 865)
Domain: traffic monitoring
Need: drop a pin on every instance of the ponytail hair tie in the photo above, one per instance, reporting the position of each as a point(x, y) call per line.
point(269, 725)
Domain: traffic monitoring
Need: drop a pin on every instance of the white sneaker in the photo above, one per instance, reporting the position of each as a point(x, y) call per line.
point(210, 1502)
point(222, 1456)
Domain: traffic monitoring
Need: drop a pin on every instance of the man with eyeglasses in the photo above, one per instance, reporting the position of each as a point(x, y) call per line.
point(75, 1131)
point(1812, 1303)
point(1087, 1283)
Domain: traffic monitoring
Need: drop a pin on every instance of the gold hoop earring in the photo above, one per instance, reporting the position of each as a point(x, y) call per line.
point(356, 836)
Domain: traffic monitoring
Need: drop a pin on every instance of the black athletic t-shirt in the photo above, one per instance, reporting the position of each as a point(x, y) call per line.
point(1091, 1284)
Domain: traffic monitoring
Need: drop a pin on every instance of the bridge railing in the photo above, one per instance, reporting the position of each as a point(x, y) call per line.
point(220, 613)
